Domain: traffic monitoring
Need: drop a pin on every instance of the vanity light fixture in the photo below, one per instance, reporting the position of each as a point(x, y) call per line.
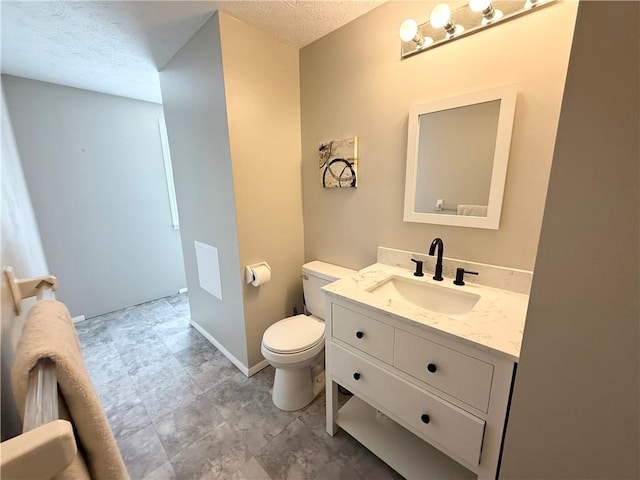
point(441, 18)
point(445, 25)
point(409, 33)
point(489, 14)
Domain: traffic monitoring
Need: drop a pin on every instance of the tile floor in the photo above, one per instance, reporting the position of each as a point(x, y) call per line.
point(180, 410)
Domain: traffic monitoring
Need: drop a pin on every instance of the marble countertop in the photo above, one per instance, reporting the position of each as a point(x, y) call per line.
point(495, 324)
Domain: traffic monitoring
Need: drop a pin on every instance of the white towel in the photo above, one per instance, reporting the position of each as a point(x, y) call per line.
point(473, 210)
point(49, 333)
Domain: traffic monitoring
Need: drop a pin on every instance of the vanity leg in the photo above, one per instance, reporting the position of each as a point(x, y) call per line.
point(332, 407)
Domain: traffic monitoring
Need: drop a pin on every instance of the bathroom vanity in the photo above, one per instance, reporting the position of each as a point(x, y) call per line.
point(431, 366)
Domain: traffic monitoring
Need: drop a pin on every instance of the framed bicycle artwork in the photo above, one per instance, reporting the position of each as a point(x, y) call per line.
point(339, 163)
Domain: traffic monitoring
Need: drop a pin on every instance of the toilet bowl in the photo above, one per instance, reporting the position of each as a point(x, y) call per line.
point(294, 346)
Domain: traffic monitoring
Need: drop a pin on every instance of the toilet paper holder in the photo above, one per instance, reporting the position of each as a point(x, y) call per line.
point(249, 270)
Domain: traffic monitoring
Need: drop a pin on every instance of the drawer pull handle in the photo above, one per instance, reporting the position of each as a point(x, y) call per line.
point(359, 334)
point(425, 418)
point(432, 367)
point(356, 376)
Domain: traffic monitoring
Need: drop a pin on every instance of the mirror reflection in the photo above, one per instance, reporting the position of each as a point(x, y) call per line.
point(455, 159)
point(457, 155)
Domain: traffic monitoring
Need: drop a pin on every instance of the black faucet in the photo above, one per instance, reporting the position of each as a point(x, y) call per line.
point(437, 242)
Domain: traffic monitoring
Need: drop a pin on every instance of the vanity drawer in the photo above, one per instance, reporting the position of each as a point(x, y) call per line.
point(459, 375)
point(363, 333)
point(430, 417)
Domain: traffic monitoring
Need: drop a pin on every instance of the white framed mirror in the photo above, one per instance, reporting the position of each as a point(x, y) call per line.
point(457, 156)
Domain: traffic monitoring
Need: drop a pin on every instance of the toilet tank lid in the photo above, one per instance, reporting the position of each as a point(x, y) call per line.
point(327, 271)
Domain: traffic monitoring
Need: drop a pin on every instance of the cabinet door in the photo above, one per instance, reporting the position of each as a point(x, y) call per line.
point(461, 376)
point(363, 333)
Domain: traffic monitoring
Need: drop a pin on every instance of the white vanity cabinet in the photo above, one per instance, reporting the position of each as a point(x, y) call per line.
point(427, 404)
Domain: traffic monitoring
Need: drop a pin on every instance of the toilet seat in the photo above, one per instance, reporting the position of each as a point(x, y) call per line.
point(294, 335)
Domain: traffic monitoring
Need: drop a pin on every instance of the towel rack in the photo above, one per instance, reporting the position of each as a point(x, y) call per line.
point(41, 404)
point(47, 445)
point(29, 287)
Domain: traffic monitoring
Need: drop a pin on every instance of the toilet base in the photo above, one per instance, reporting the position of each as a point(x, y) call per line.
point(294, 389)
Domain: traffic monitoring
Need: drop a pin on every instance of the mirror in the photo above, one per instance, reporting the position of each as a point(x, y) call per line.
point(457, 155)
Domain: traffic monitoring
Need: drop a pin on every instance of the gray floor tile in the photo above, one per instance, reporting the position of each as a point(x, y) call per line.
point(260, 420)
point(173, 326)
point(98, 350)
point(191, 358)
point(251, 470)
point(104, 364)
point(132, 337)
point(163, 472)
point(95, 338)
point(265, 378)
point(180, 299)
point(214, 372)
point(346, 450)
point(127, 418)
point(144, 355)
point(183, 310)
point(130, 320)
point(156, 311)
point(180, 428)
point(117, 392)
point(178, 341)
point(200, 357)
point(218, 455)
point(298, 453)
point(159, 373)
point(169, 396)
point(93, 332)
point(108, 317)
point(372, 468)
point(314, 414)
point(231, 395)
point(142, 452)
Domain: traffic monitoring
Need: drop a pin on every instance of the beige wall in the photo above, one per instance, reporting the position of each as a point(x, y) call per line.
point(575, 405)
point(354, 83)
point(193, 96)
point(263, 110)
point(21, 249)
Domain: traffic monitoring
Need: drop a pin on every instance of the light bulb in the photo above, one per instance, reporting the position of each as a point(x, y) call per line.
point(440, 15)
point(408, 30)
point(479, 5)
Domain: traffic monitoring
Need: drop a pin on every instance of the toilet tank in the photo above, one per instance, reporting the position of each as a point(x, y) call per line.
point(316, 275)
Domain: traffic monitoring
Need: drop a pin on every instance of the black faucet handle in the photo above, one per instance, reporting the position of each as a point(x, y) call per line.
point(419, 264)
point(460, 275)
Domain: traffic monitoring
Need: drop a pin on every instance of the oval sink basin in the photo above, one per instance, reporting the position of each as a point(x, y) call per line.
point(426, 295)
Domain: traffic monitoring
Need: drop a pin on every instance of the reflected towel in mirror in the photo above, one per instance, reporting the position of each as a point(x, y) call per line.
point(472, 210)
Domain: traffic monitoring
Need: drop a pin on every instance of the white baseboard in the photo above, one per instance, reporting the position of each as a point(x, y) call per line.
point(183, 290)
point(258, 366)
point(79, 318)
point(241, 366)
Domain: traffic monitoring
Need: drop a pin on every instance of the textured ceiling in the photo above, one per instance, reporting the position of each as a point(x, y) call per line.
point(117, 47)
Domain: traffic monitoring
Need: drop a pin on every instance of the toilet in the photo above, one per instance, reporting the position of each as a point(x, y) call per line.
point(294, 346)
